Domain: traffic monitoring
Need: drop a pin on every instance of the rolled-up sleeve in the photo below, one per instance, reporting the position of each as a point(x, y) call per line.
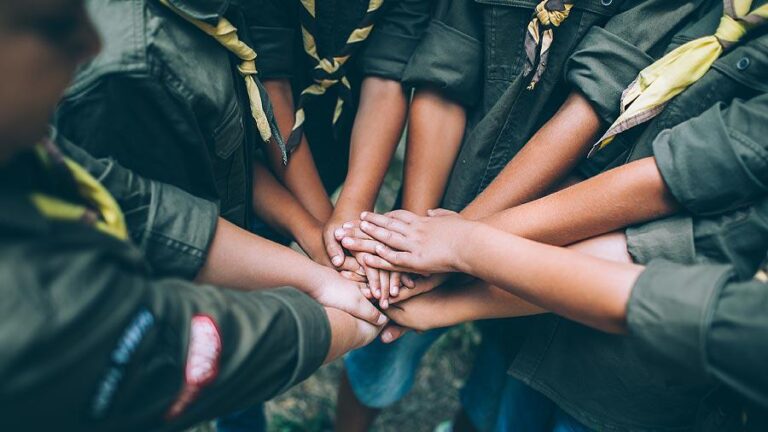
point(717, 161)
point(450, 55)
point(395, 38)
point(173, 228)
point(609, 58)
point(703, 320)
point(274, 31)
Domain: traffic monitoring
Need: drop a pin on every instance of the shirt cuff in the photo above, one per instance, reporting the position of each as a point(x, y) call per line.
point(387, 54)
point(448, 60)
point(174, 241)
point(314, 332)
point(669, 310)
point(705, 178)
point(275, 48)
point(602, 66)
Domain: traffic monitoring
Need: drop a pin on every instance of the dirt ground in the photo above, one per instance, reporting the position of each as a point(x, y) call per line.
point(309, 407)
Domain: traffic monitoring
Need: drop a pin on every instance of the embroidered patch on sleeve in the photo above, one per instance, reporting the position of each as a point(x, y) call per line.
point(202, 365)
point(121, 355)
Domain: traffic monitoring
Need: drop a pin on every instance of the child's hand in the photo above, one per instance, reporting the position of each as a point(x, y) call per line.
point(411, 243)
point(333, 247)
point(311, 242)
point(336, 292)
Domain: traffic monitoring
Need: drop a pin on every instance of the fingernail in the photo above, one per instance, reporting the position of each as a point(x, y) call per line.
point(364, 225)
point(339, 232)
point(386, 337)
point(346, 241)
point(382, 320)
point(337, 260)
point(363, 215)
point(348, 225)
point(384, 304)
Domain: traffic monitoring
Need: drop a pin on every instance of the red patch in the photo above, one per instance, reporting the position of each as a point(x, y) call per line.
point(202, 362)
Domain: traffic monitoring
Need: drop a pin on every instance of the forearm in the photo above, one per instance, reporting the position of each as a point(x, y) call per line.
point(375, 135)
point(345, 334)
point(300, 176)
point(577, 286)
point(549, 156)
point(241, 260)
point(435, 129)
point(623, 196)
point(278, 208)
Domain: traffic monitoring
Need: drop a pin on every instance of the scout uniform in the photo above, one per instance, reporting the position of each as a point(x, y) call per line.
point(511, 81)
point(508, 93)
point(709, 146)
point(174, 96)
point(99, 333)
point(374, 38)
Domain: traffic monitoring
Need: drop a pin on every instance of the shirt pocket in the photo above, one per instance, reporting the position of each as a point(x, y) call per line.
point(506, 23)
point(229, 163)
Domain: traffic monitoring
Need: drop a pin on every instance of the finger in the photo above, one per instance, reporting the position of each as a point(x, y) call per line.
point(366, 292)
point(372, 273)
point(402, 215)
point(351, 264)
point(356, 232)
point(382, 264)
point(363, 309)
point(353, 276)
point(392, 333)
point(394, 284)
point(422, 286)
point(333, 249)
point(407, 280)
point(391, 224)
point(359, 245)
point(384, 279)
point(386, 236)
point(440, 212)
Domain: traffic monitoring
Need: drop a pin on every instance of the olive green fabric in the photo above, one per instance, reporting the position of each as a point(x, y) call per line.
point(95, 339)
point(705, 320)
point(714, 163)
point(167, 101)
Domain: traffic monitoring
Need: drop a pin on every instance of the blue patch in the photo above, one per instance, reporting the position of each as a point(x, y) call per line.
point(126, 346)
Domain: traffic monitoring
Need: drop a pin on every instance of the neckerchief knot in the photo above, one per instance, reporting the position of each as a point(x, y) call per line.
point(540, 35)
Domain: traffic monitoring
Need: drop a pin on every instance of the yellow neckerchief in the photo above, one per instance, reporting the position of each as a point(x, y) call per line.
point(105, 216)
point(226, 34)
point(657, 84)
point(538, 39)
point(328, 72)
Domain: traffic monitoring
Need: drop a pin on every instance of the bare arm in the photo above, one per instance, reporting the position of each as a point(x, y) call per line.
point(279, 209)
point(580, 287)
point(623, 196)
point(300, 176)
point(377, 130)
point(549, 156)
point(435, 129)
point(238, 259)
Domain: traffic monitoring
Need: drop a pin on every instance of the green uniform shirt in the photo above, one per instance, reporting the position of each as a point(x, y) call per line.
point(167, 101)
point(95, 337)
point(714, 162)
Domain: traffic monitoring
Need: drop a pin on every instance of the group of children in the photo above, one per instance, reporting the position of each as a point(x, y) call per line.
point(588, 177)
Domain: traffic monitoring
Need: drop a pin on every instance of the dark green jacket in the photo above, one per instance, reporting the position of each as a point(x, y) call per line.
point(98, 335)
point(167, 101)
point(474, 52)
point(715, 162)
point(277, 38)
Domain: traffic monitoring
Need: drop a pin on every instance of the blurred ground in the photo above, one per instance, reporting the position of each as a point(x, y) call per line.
point(309, 407)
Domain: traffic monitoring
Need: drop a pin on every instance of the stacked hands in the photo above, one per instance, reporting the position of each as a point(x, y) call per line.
point(397, 260)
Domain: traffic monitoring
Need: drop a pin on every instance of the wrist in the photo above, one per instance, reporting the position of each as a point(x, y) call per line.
point(351, 204)
point(473, 237)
